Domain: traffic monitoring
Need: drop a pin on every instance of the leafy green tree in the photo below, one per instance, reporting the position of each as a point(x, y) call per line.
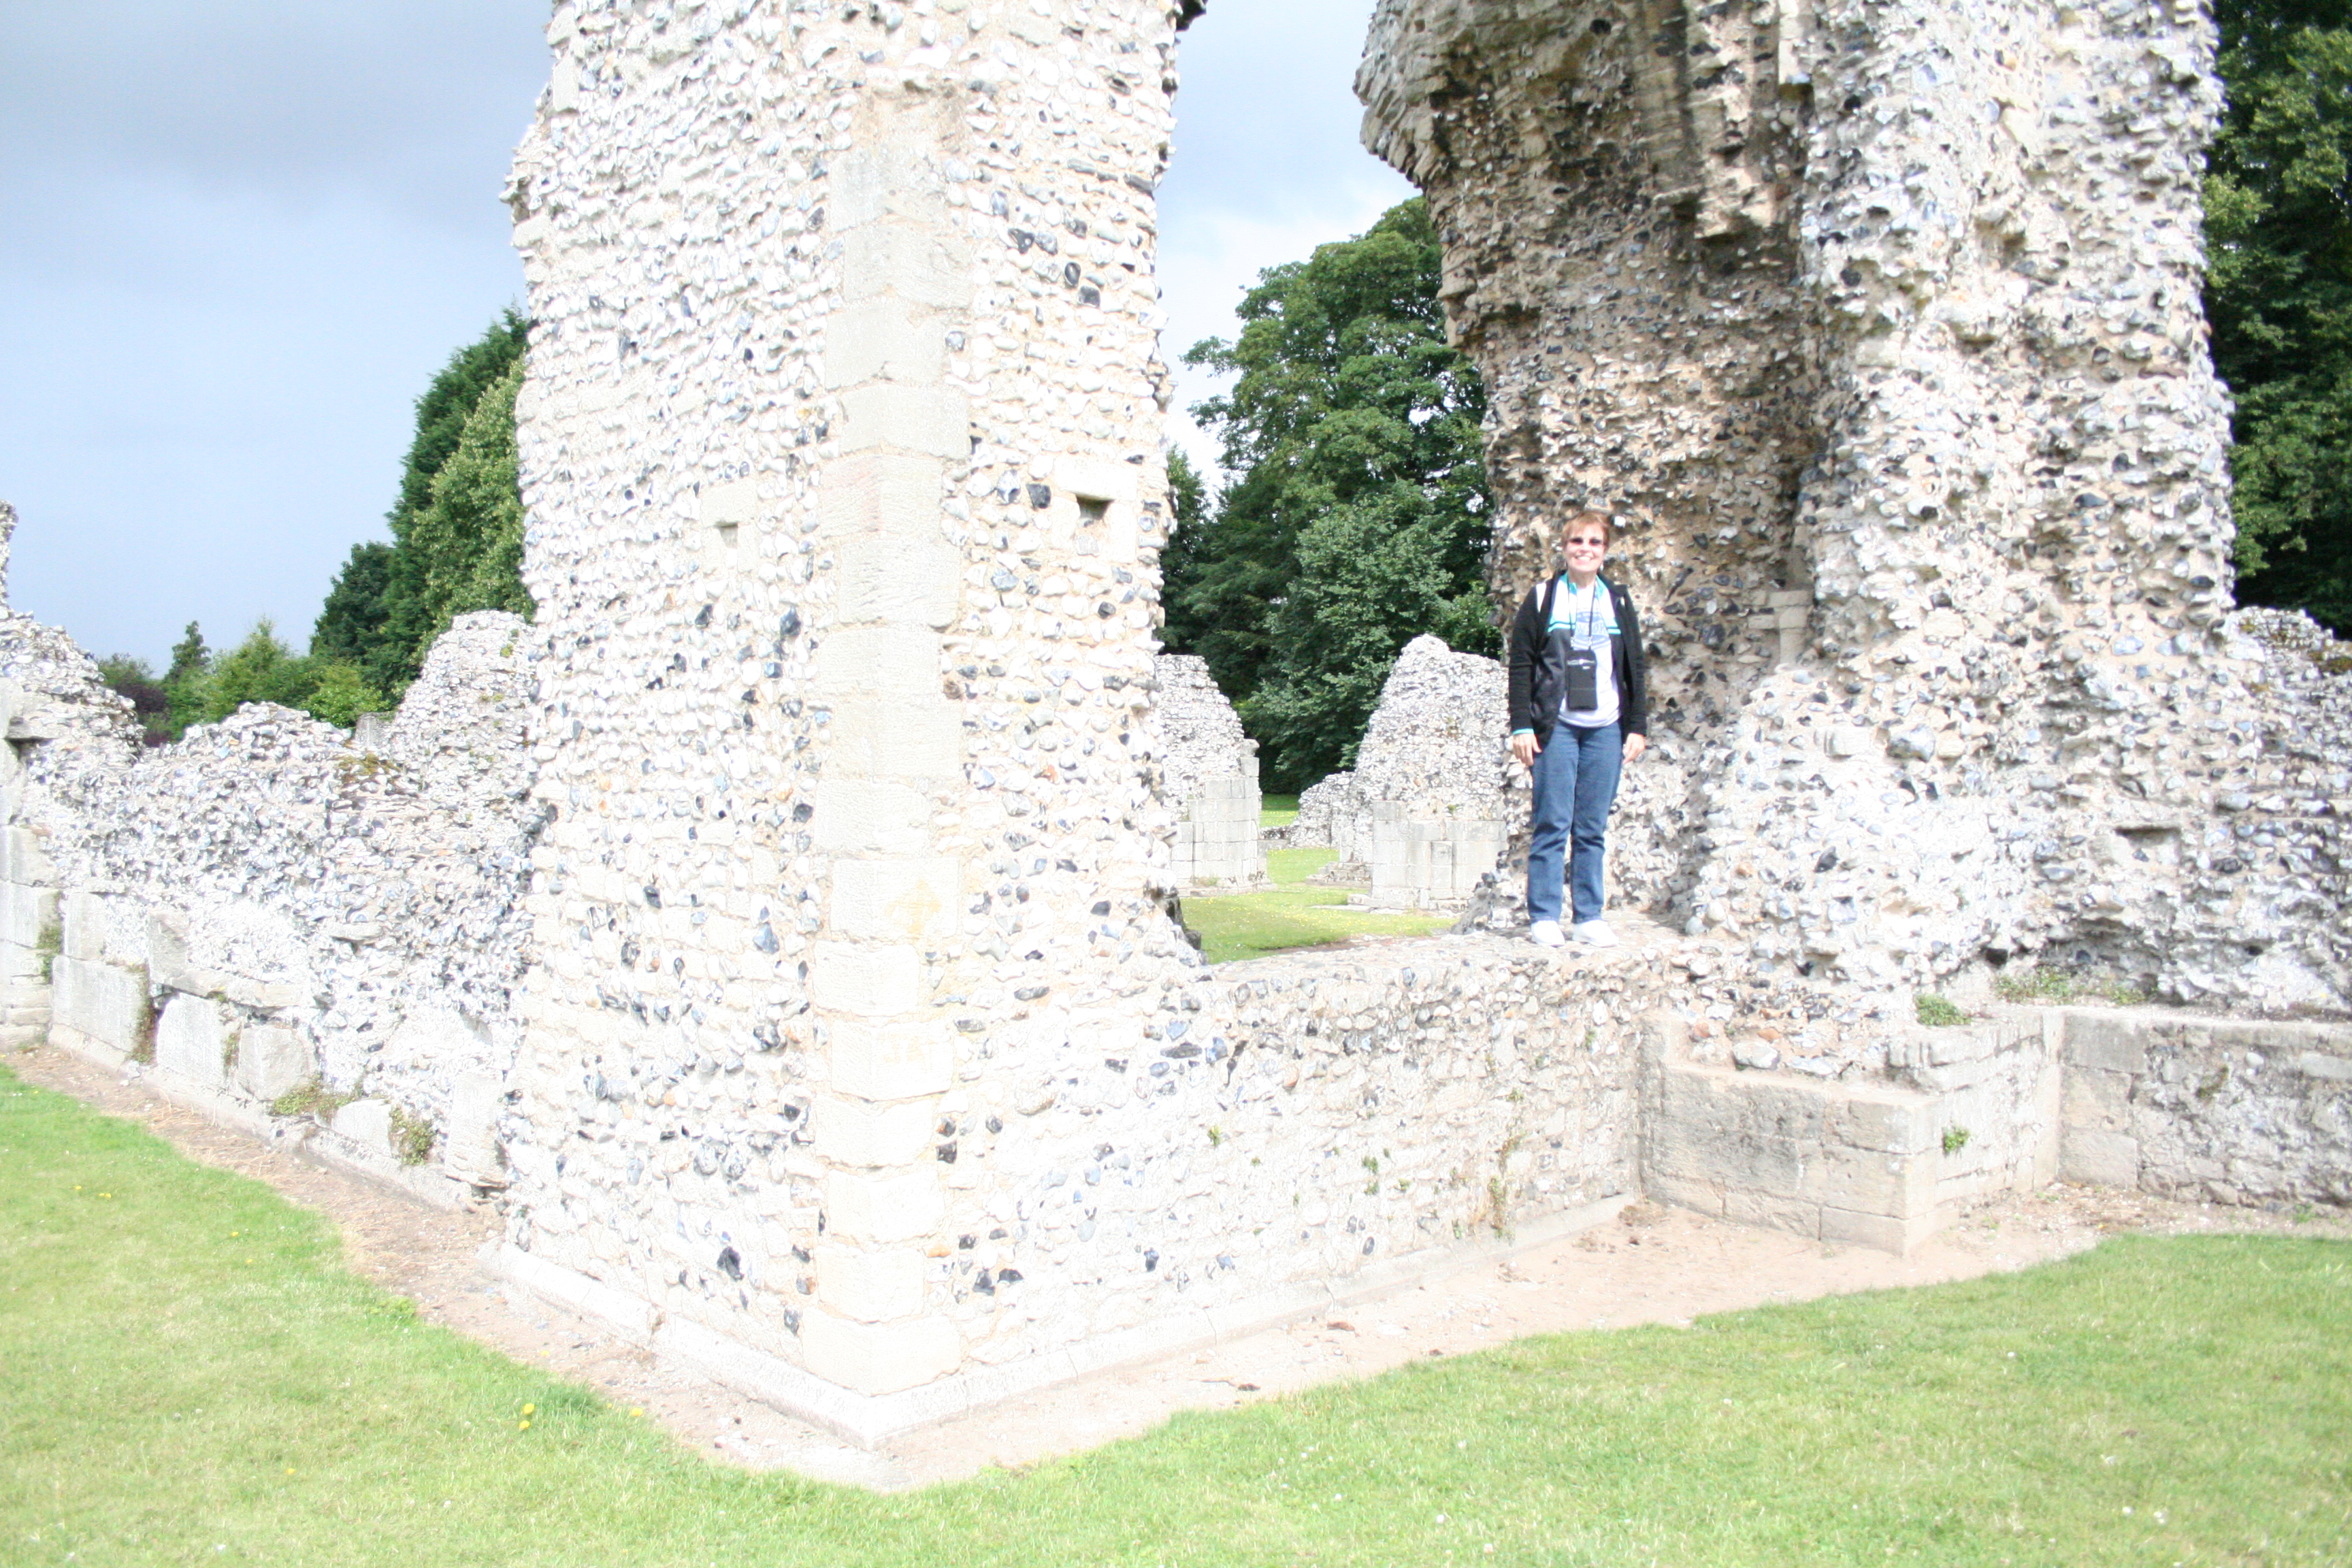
point(131, 678)
point(456, 539)
point(352, 624)
point(1358, 518)
point(469, 539)
point(342, 694)
point(262, 668)
point(1188, 499)
point(184, 683)
point(2278, 219)
point(442, 413)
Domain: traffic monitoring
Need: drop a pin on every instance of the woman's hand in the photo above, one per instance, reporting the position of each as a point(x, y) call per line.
point(1524, 747)
point(1636, 745)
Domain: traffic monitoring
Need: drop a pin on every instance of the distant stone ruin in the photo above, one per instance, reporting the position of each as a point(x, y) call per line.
point(783, 916)
point(1207, 771)
point(1428, 810)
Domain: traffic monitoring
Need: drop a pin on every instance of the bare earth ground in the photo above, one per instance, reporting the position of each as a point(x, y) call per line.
point(1652, 1264)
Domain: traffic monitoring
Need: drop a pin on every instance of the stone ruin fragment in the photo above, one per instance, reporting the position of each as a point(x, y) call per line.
point(813, 990)
point(270, 920)
point(1208, 772)
point(1919, 459)
point(1427, 810)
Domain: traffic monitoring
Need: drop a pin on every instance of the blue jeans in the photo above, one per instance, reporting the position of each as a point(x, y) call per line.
point(1576, 784)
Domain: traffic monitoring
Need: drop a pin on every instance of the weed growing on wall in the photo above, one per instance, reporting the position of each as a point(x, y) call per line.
point(1938, 1013)
point(2048, 986)
point(312, 1098)
point(413, 1137)
point(142, 1047)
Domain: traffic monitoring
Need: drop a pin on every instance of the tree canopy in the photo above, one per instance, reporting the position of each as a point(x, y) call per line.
point(456, 526)
point(1355, 514)
point(2278, 221)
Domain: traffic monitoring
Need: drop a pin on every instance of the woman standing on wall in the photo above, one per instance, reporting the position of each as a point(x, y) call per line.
point(1579, 701)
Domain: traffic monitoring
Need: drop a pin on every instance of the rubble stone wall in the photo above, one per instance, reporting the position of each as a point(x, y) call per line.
point(1427, 808)
point(271, 918)
point(841, 446)
point(852, 1047)
point(1877, 326)
point(1207, 771)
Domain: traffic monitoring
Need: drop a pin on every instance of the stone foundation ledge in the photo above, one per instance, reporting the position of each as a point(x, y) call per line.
point(429, 1185)
point(2185, 1105)
point(868, 1420)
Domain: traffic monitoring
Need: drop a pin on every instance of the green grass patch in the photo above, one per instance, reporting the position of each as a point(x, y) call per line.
point(1276, 810)
point(187, 1376)
point(1291, 913)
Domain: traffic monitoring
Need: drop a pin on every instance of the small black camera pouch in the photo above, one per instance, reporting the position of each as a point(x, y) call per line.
point(1583, 672)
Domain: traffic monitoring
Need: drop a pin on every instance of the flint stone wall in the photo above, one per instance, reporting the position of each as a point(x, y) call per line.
point(1876, 327)
point(261, 907)
point(1322, 807)
point(1208, 770)
point(840, 441)
point(1427, 808)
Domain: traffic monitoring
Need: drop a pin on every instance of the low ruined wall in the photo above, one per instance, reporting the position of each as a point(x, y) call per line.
point(2175, 1104)
point(1289, 1131)
point(2214, 1108)
point(1881, 1159)
point(1321, 1112)
point(275, 919)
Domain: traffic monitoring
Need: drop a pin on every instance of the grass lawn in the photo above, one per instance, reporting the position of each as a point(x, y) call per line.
point(1276, 810)
point(1291, 913)
point(187, 1376)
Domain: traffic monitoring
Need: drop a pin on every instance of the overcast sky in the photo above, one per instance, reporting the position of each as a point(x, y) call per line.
point(242, 234)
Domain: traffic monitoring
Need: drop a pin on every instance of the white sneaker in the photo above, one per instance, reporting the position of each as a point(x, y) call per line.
point(1596, 933)
point(1546, 933)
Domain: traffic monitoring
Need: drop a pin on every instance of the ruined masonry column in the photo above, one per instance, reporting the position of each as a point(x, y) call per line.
point(840, 459)
point(896, 738)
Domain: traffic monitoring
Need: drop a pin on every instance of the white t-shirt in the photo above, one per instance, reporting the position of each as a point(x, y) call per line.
point(1590, 616)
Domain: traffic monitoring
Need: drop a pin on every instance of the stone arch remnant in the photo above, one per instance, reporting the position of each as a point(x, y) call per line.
point(860, 1060)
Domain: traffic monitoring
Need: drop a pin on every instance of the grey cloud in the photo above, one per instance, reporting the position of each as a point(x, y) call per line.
point(414, 101)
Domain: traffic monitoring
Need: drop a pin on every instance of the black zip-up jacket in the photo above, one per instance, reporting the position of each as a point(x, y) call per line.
point(1537, 680)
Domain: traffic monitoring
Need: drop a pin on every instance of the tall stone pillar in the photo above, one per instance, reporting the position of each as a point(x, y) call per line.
point(841, 443)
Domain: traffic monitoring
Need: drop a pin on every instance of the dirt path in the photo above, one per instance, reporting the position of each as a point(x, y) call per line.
point(1650, 1266)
